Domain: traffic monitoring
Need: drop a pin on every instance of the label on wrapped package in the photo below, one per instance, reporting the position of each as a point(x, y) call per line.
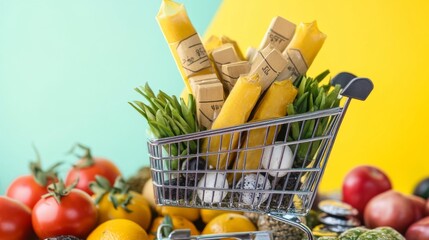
point(232, 71)
point(202, 79)
point(295, 67)
point(192, 54)
point(279, 34)
point(209, 99)
point(268, 66)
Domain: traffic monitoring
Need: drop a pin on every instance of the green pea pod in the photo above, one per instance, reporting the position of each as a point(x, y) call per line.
point(149, 112)
point(166, 132)
point(181, 121)
point(301, 99)
point(301, 89)
point(165, 96)
point(187, 115)
point(310, 103)
point(185, 129)
point(173, 125)
point(141, 111)
point(149, 91)
point(160, 118)
point(332, 96)
point(322, 76)
point(156, 104)
point(161, 99)
point(192, 108)
point(176, 104)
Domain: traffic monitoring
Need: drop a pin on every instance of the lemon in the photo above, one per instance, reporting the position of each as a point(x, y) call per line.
point(178, 223)
point(229, 223)
point(192, 214)
point(118, 229)
point(138, 209)
point(208, 214)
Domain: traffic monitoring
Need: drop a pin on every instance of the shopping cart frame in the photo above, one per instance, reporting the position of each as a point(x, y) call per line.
point(291, 201)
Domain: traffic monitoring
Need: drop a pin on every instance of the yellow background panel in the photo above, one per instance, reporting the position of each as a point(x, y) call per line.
point(386, 41)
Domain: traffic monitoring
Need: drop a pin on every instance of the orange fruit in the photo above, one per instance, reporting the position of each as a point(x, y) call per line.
point(208, 214)
point(118, 229)
point(229, 223)
point(139, 213)
point(178, 223)
point(192, 214)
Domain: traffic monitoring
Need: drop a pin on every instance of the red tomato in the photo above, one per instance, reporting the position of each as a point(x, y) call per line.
point(26, 190)
point(100, 166)
point(75, 215)
point(363, 183)
point(15, 220)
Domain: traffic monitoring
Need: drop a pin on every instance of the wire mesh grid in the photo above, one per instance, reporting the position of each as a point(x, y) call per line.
point(218, 169)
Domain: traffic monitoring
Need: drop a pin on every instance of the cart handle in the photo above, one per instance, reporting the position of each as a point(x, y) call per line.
point(352, 86)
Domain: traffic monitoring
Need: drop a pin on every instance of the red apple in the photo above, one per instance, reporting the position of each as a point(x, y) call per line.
point(391, 209)
point(363, 183)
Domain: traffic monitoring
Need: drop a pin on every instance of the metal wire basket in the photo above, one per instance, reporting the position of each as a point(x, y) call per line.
point(284, 191)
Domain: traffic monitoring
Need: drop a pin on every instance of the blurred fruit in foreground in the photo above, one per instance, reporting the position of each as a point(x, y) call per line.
point(422, 189)
point(118, 229)
point(208, 214)
point(63, 211)
point(137, 181)
point(87, 167)
point(192, 214)
point(419, 230)
point(418, 206)
point(177, 222)
point(28, 189)
point(148, 193)
point(63, 237)
point(363, 183)
point(228, 223)
point(391, 209)
point(118, 202)
point(15, 220)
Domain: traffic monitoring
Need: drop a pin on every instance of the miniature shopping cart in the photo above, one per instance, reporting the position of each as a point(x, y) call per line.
point(284, 193)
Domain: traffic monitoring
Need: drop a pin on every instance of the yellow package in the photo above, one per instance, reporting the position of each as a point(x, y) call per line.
point(273, 105)
point(235, 111)
point(185, 44)
point(302, 50)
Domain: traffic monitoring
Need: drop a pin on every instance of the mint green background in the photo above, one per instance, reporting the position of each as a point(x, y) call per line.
point(67, 71)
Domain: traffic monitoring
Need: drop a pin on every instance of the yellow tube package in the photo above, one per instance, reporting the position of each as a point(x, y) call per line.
point(185, 44)
point(273, 105)
point(235, 111)
point(302, 50)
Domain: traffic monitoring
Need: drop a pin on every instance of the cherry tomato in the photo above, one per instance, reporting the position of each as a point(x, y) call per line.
point(15, 220)
point(26, 190)
point(74, 214)
point(88, 167)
